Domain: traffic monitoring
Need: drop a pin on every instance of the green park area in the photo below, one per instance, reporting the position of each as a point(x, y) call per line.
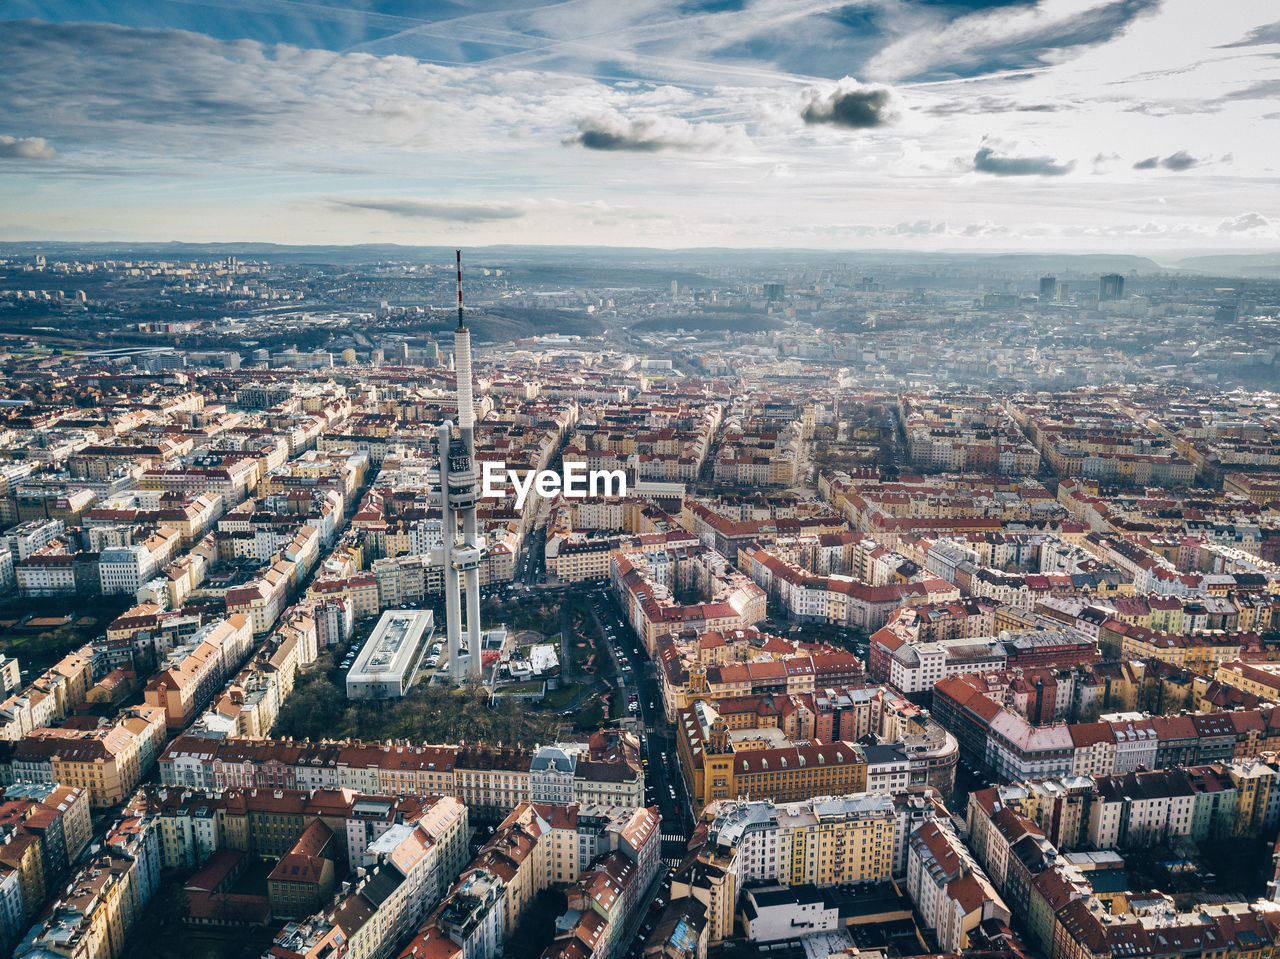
point(319, 709)
point(438, 712)
point(39, 632)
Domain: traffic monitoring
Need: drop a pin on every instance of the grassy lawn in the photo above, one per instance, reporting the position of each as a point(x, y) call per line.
point(538, 616)
point(580, 653)
point(592, 717)
point(560, 698)
point(319, 709)
point(253, 882)
point(587, 654)
point(37, 651)
point(40, 632)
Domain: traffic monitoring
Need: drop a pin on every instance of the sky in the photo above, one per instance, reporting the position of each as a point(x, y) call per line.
point(1146, 126)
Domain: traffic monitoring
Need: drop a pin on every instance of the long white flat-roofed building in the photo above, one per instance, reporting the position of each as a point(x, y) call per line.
point(388, 664)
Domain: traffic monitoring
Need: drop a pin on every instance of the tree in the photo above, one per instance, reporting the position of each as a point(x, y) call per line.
point(159, 930)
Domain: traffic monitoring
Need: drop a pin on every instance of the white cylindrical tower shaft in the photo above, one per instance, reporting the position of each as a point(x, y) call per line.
point(462, 363)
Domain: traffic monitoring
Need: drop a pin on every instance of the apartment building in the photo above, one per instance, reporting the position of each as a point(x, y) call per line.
point(948, 887)
point(405, 872)
point(607, 870)
point(43, 829)
point(1005, 742)
point(646, 585)
point(101, 904)
point(856, 837)
point(607, 768)
point(107, 762)
point(194, 672)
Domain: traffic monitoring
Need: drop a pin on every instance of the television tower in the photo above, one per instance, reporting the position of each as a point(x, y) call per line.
point(462, 553)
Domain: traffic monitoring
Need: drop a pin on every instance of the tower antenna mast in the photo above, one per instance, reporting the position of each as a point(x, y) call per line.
point(461, 323)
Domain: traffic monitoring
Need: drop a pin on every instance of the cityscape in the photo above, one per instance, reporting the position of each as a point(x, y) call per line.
point(727, 479)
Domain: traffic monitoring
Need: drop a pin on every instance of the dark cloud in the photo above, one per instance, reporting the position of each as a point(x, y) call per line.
point(857, 108)
point(1258, 36)
point(433, 209)
point(1182, 160)
point(987, 160)
point(592, 136)
point(648, 134)
point(26, 148)
point(1262, 90)
point(1177, 162)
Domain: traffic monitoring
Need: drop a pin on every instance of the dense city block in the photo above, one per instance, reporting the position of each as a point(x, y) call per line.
point(636, 606)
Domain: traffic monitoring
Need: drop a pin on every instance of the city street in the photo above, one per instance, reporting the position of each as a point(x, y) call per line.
point(532, 565)
point(664, 785)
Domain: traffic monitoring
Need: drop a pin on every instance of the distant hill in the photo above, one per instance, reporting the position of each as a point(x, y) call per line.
point(580, 265)
point(1072, 263)
point(1259, 265)
point(727, 321)
point(501, 325)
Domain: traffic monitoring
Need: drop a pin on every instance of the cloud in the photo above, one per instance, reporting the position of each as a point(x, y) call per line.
point(994, 40)
point(1103, 162)
point(26, 148)
point(985, 228)
point(850, 105)
point(433, 209)
point(1177, 162)
point(405, 144)
point(1245, 223)
point(919, 228)
point(1174, 108)
point(170, 94)
point(1258, 36)
point(1182, 160)
point(613, 132)
point(986, 105)
point(987, 160)
point(546, 210)
point(1262, 90)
